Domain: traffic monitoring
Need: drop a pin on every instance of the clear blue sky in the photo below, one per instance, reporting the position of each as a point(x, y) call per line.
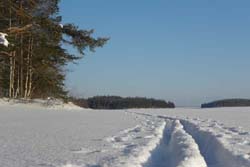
point(188, 52)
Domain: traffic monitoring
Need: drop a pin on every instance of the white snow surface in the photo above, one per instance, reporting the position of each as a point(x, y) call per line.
point(53, 134)
point(3, 40)
point(61, 25)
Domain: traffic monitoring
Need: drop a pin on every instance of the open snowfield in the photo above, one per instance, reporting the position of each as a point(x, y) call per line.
point(33, 135)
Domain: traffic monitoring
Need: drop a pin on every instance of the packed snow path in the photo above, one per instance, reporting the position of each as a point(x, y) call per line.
point(176, 149)
point(168, 146)
point(179, 143)
point(32, 135)
point(194, 142)
point(213, 147)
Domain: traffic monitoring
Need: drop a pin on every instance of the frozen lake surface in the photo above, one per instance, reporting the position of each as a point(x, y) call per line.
point(32, 135)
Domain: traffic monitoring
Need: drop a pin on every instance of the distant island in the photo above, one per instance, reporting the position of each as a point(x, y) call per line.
point(227, 103)
point(117, 102)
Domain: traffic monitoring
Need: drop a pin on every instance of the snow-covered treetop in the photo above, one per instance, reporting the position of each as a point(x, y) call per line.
point(3, 40)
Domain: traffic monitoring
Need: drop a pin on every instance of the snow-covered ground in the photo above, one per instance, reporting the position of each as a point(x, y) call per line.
point(3, 40)
point(63, 135)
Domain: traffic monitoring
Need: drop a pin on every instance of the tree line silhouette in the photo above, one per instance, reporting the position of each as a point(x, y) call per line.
point(33, 56)
point(117, 102)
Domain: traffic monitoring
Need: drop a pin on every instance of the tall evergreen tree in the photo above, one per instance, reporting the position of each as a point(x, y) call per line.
point(33, 65)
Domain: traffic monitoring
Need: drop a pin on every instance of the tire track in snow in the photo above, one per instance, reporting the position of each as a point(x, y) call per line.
point(213, 150)
point(174, 143)
point(133, 146)
point(176, 149)
point(216, 150)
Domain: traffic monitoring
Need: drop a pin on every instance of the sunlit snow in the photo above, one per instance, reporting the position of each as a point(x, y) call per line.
point(3, 40)
point(46, 134)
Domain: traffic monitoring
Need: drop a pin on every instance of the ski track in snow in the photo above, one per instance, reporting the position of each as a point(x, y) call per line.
point(181, 143)
point(149, 140)
point(176, 149)
point(219, 146)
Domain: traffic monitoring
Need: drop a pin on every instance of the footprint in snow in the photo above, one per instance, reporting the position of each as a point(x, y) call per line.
point(244, 133)
point(129, 148)
point(137, 129)
point(121, 139)
point(233, 129)
point(45, 165)
point(85, 151)
point(149, 137)
point(219, 135)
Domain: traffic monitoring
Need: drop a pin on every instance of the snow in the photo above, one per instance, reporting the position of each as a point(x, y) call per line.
point(135, 149)
point(61, 25)
point(177, 149)
point(220, 146)
point(49, 133)
point(3, 40)
point(49, 103)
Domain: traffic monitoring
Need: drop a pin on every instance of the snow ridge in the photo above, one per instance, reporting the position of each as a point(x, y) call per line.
point(213, 148)
point(36, 134)
point(177, 149)
point(53, 104)
point(141, 155)
point(174, 143)
point(134, 154)
point(170, 146)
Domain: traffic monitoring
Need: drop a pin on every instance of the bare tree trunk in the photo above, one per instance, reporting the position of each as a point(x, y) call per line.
point(13, 75)
point(18, 82)
point(10, 76)
point(21, 57)
point(21, 69)
point(27, 70)
point(30, 69)
point(11, 58)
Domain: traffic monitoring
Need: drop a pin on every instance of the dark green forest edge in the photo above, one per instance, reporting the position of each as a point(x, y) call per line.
point(34, 63)
point(227, 103)
point(117, 102)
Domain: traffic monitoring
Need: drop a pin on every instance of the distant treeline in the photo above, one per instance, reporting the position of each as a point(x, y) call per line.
point(117, 102)
point(227, 103)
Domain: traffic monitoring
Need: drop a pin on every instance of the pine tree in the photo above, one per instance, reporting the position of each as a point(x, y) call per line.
point(34, 64)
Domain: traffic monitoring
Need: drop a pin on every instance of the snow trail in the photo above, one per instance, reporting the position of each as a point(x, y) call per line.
point(176, 149)
point(217, 145)
point(169, 146)
point(212, 148)
point(37, 135)
point(134, 154)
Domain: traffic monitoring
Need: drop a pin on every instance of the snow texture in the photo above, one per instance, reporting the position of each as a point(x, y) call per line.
point(177, 149)
point(3, 40)
point(49, 133)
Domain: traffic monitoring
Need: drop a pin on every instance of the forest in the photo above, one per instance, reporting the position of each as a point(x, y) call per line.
point(33, 58)
point(117, 102)
point(227, 103)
